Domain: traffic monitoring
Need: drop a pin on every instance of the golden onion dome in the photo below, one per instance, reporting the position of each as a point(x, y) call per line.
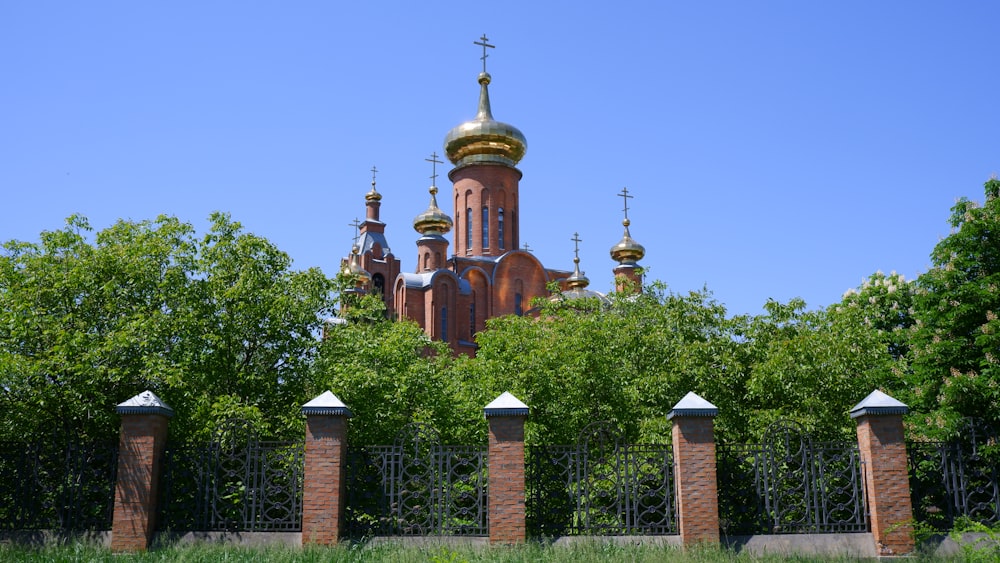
point(433, 221)
point(627, 251)
point(373, 195)
point(577, 280)
point(354, 270)
point(484, 139)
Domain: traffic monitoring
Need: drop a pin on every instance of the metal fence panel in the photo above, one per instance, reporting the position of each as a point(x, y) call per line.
point(790, 485)
point(64, 487)
point(600, 486)
point(235, 483)
point(416, 487)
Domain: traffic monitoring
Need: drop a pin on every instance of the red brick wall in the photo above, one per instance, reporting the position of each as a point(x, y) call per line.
point(506, 480)
point(695, 479)
point(887, 482)
point(143, 439)
point(323, 483)
point(494, 186)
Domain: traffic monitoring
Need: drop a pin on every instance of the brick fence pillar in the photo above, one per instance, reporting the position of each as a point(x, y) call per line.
point(506, 416)
point(140, 454)
point(323, 482)
point(887, 482)
point(694, 470)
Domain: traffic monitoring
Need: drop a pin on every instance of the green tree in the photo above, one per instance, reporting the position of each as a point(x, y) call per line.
point(217, 327)
point(628, 364)
point(391, 374)
point(955, 344)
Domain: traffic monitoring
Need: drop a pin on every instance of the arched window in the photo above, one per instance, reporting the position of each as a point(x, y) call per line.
point(437, 259)
point(486, 227)
point(517, 305)
point(427, 260)
point(444, 324)
point(468, 229)
point(378, 284)
point(500, 226)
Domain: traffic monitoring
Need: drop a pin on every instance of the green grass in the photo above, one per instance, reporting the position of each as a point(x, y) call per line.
point(531, 552)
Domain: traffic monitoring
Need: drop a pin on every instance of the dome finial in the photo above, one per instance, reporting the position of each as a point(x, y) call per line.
point(433, 221)
point(578, 280)
point(627, 251)
point(484, 140)
point(373, 195)
point(485, 43)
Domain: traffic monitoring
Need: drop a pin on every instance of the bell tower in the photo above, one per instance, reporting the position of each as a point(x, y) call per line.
point(485, 153)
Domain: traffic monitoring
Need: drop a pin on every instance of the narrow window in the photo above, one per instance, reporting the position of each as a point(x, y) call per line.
point(517, 305)
point(468, 229)
point(427, 261)
point(486, 227)
point(472, 319)
point(500, 227)
point(444, 324)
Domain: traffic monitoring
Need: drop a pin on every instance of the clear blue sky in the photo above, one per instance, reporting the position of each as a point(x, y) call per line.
point(775, 149)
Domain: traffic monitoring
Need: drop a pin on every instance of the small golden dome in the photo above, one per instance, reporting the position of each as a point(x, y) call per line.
point(484, 139)
point(354, 270)
point(627, 251)
point(373, 195)
point(433, 221)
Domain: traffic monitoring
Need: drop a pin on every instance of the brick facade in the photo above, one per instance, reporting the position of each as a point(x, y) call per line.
point(140, 455)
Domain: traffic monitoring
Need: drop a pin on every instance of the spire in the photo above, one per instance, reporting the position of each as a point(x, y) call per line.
point(627, 252)
point(433, 221)
point(373, 195)
point(484, 140)
point(577, 280)
point(484, 113)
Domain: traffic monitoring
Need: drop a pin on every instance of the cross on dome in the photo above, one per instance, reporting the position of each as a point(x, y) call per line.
point(434, 162)
point(356, 223)
point(624, 195)
point(485, 44)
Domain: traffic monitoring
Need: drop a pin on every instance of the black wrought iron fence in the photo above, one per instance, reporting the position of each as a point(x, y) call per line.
point(234, 483)
point(600, 486)
point(789, 485)
point(46, 485)
point(958, 478)
point(416, 486)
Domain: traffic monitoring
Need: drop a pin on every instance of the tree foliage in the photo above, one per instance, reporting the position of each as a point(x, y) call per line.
point(217, 327)
point(955, 340)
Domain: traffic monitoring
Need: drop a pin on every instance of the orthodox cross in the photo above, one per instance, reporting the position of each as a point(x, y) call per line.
point(374, 170)
point(355, 224)
point(434, 162)
point(626, 197)
point(526, 249)
point(485, 43)
point(576, 246)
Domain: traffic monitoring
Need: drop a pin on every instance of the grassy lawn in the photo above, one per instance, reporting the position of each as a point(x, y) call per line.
point(578, 553)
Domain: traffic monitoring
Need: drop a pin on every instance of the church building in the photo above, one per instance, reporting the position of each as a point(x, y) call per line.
point(485, 274)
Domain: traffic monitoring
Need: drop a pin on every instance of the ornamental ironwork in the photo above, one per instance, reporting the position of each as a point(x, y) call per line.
point(416, 486)
point(234, 483)
point(957, 478)
point(600, 486)
point(65, 486)
point(789, 484)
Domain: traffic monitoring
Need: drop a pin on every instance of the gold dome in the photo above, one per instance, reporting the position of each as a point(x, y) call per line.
point(433, 221)
point(627, 251)
point(354, 270)
point(373, 195)
point(484, 139)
